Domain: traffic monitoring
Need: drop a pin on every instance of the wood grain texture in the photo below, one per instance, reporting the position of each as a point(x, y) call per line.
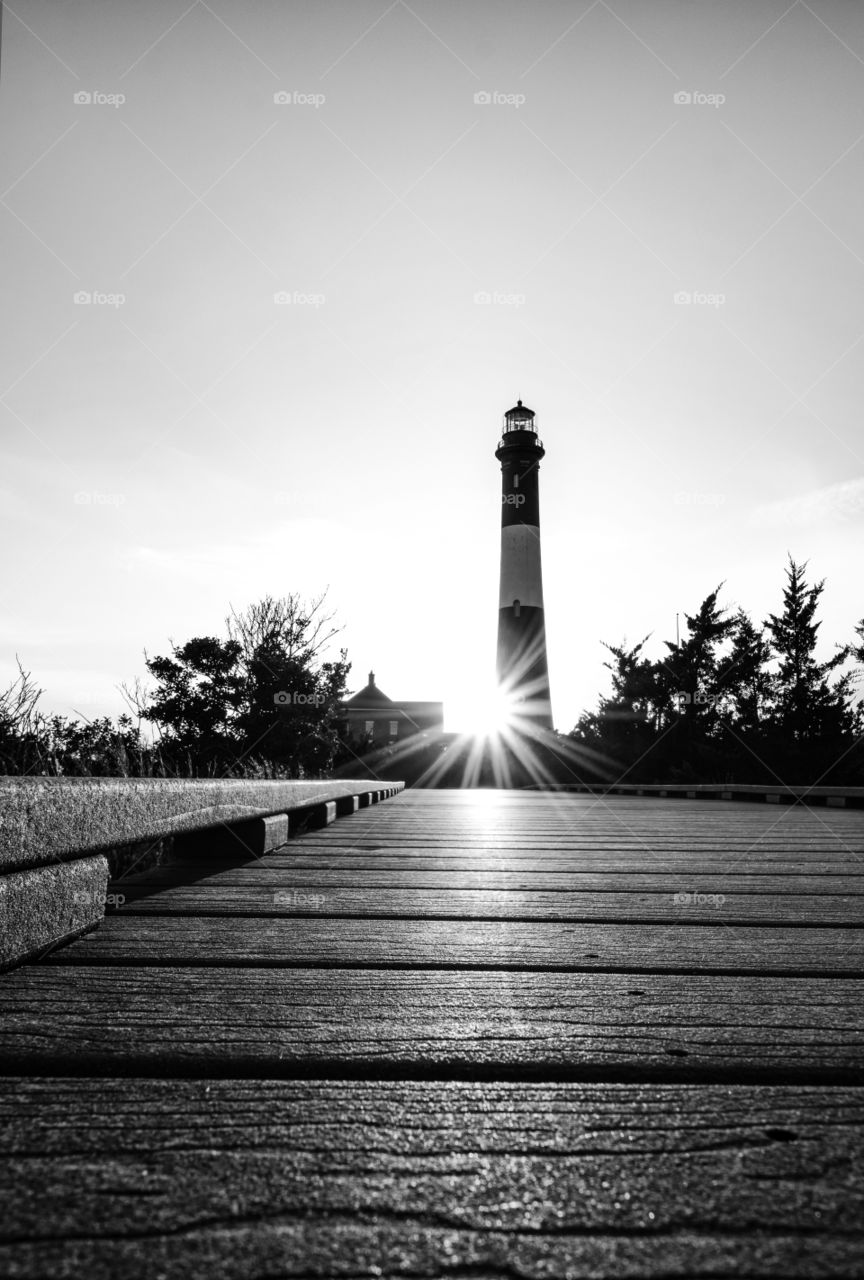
point(635, 858)
point(320, 940)
point(355, 1243)
point(228, 1021)
point(169, 1177)
point(305, 895)
point(484, 875)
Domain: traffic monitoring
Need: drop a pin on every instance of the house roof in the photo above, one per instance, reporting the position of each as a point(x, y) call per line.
point(371, 696)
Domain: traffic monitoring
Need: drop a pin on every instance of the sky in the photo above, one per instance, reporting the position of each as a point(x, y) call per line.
point(273, 272)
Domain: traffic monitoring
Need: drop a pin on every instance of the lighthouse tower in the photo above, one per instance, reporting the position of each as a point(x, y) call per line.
point(523, 673)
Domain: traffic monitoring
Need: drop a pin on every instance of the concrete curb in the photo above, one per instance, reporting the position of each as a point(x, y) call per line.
point(47, 905)
point(47, 820)
point(55, 834)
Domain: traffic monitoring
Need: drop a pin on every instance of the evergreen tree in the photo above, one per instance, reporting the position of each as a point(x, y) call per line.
point(624, 725)
point(690, 670)
point(858, 649)
point(809, 707)
point(692, 748)
point(745, 685)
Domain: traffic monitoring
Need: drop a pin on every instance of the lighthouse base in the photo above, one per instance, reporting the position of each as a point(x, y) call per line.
point(523, 673)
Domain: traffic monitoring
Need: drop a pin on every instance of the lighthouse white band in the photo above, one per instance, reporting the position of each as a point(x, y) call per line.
point(521, 576)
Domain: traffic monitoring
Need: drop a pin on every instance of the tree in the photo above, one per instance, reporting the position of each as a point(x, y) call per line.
point(809, 707)
point(262, 698)
point(689, 672)
point(687, 680)
point(624, 725)
point(858, 649)
point(198, 695)
point(21, 748)
point(744, 681)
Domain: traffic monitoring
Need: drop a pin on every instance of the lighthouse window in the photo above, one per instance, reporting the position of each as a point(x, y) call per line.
point(517, 609)
point(515, 482)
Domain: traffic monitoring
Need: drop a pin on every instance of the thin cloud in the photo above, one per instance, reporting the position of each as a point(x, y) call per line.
point(829, 505)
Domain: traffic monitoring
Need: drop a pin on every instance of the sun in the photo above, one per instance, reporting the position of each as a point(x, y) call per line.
point(486, 712)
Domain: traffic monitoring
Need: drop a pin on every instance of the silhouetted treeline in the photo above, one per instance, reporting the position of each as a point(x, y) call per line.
point(733, 701)
point(258, 702)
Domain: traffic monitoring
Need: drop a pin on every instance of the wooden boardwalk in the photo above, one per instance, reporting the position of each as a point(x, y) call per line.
point(461, 1034)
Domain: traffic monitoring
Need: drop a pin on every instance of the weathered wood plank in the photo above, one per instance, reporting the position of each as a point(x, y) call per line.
point(307, 896)
point(550, 813)
point(58, 1116)
point(600, 845)
point(517, 881)
point(551, 810)
point(346, 1244)
point(150, 1177)
point(190, 1021)
point(636, 859)
point(317, 939)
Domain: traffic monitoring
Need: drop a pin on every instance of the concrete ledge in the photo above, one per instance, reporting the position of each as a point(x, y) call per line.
point(49, 905)
point(52, 887)
point(775, 793)
point(48, 820)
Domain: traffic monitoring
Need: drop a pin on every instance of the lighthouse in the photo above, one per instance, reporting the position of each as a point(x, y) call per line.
point(523, 675)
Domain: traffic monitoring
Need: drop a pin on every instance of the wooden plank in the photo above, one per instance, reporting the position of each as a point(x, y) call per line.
point(58, 1116)
point(550, 801)
point(552, 814)
point(532, 844)
point(487, 944)
point(107, 1019)
point(521, 880)
point(637, 858)
point(141, 1178)
point(305, 896)
point(345, 1244)
point(551, 811)
point(557, 862)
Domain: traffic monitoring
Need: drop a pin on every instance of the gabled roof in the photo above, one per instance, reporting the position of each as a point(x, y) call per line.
point(371, 696)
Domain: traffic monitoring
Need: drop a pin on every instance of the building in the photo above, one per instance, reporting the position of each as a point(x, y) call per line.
point(372, 718)
point(523, 673)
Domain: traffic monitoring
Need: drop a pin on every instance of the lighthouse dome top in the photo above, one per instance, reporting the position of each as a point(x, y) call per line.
point(519, 418)
point(519, 412)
